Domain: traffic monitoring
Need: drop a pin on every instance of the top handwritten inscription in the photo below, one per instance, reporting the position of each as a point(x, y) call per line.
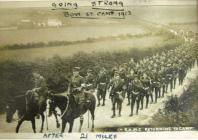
point(107, 3)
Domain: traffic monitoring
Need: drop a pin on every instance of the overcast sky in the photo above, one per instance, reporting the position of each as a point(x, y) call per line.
point(46, 3)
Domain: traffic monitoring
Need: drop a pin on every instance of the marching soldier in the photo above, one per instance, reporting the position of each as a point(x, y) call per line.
point(116, 93)
point(175, 72)
point(156, 85)
point(136, 94)
point(130, 78)
point(163, 81)
point(101, 86)
point(169, 74)
point(146, 82)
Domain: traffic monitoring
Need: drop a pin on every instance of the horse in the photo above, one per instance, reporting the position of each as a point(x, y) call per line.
point(18, 103)
point(70, 109)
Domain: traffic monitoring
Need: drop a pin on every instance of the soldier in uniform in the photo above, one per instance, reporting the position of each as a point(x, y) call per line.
point(169, 74)
point(163, 80)
point(89, 80)
point(146, 89)
point(116, 93)
point(76, 85)
point(156, 84)
point(136, 94)
point(130, 78)
point(181, 72)
point(132, 63)
point(175, 72)
point(38, 94)
point(101, 85)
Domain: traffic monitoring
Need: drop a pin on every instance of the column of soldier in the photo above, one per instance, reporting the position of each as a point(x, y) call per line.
point(147, 79)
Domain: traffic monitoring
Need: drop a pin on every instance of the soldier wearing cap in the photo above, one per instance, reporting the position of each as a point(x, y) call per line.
point(136, 94)
point(130, 78)
point(169, 74)
point(163, 80)
point(89, 80)
point(156, 84)
point(116, 93)
point(39, 92)
point(101, 85)
point(182, 70)
point(132, 63)
point(76, 84)
point(146, 89)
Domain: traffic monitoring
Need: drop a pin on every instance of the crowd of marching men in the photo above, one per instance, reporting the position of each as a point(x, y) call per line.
point(147, 79)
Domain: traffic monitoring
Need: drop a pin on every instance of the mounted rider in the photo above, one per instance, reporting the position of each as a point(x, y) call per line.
point(76, 85)
point(38, 95)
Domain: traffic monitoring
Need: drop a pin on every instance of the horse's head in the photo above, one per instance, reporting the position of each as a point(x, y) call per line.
point(10, 110)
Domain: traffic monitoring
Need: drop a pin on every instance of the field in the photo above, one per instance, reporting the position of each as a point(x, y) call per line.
point(139, 23)
point(69, 50)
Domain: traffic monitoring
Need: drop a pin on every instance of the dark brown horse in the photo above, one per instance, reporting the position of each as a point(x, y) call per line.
point(70, 110)
point(18, 103)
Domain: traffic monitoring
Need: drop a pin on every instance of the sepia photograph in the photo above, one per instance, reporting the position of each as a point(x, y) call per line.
point(99, 69)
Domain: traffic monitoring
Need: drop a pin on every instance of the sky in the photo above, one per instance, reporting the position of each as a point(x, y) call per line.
point(46, 3)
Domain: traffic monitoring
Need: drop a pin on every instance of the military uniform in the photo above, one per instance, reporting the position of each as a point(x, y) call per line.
point(116, 93)
point(38, 95)
point(101, 86)
point(156, 85)
point(76, 88)
point(136, 94)
point(146, 89)
point(89, 80)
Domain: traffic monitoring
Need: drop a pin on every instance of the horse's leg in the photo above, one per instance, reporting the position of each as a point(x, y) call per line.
point(19, 124)
point(92, 118)
point(33, 125)
point(98, 97)
point(43, 119)
point(71, 126)
point(63, 126)
point(57, 122)
point(81, 122)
